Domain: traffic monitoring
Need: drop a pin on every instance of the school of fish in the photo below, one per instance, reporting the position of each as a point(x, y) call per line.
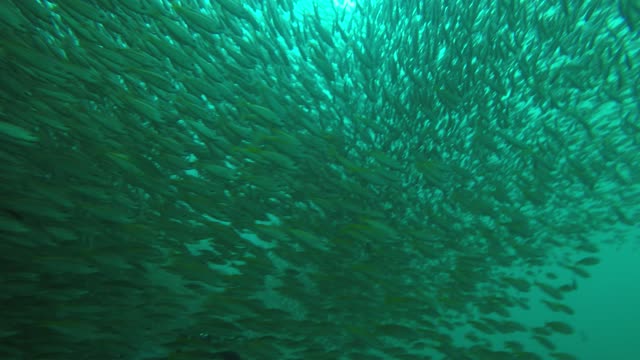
point(287, 179)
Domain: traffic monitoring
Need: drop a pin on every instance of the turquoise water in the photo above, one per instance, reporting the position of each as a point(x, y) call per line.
point(607, 317)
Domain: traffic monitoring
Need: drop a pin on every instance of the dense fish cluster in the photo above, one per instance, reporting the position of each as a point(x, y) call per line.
point(283, 179)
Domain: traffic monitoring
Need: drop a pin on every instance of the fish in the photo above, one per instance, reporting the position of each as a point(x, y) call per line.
point(17, 134)
point(408, 170)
